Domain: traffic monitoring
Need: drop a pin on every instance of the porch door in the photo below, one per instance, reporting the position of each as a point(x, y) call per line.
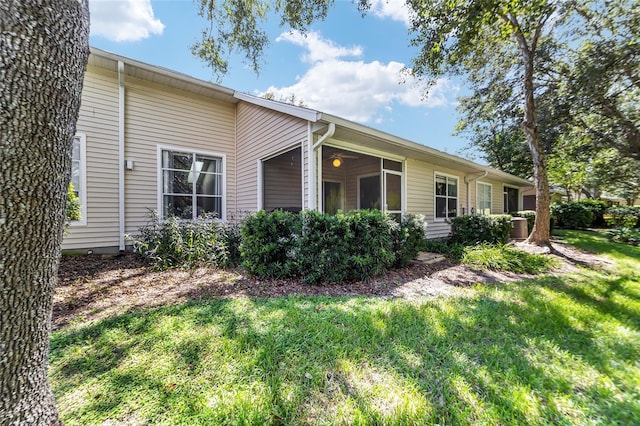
point(393, 193)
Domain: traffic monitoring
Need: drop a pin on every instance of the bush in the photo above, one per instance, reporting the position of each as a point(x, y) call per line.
point(623, 217)
point(530, 215)
point(476, 229)
point(270, 244)
point(371, 244)
point(571, 215)
point(408, 239)
point(73, 205)
point(176, 243)
point(446, 246)
point(598, 208)
point(324, 248)
point(331, 248)
point(624, 235)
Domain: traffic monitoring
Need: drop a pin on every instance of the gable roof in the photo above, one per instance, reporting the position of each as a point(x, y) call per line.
point(345, 129)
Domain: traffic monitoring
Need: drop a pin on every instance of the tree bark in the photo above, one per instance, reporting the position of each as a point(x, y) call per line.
point(43, 55)
point(541, 232)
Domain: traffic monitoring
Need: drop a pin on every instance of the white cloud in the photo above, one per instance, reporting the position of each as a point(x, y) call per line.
point(318, 49)
point(397, 10)
point(357, 90)
point(123, 20)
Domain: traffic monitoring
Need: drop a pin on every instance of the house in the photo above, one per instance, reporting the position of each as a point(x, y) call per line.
point(152, 138)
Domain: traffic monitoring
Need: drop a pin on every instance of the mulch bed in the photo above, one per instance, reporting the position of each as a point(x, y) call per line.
point(95, 286)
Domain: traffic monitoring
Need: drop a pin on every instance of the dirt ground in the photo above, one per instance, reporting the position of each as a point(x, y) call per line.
point(95, 287)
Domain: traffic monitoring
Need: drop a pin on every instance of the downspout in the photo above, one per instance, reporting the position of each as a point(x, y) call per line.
point(313, 190)
point(121, 165)
point(468, 181)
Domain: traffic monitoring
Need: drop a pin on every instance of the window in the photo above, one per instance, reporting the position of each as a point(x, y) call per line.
point(446, 196)
point(483, 198)
point(78, 175)
point(192, 184)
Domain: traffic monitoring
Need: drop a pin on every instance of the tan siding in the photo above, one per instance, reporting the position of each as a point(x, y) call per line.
point(262, 133)
point(157, 115)
point(420, 194)
point(98, 120)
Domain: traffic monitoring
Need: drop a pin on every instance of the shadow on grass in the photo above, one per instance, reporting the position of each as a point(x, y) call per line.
point(535, 353)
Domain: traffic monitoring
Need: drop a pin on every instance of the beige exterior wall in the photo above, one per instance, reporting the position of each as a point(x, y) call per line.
point(98, 120)
point(160, 116)
point(262, 133)
point(155, 116)
point(420, 194)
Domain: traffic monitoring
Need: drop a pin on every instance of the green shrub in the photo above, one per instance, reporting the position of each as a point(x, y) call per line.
point(408, 239)
point(571, 215)
point(324, 248)
point(598, 208)
point(446, 246)
point(505, 258)
point(371, 245)
point(270, 244)
point(624, 235)
point(175, 243)
point(530, 215)
point(623, 217)
point(73, 205)
point(476, 229)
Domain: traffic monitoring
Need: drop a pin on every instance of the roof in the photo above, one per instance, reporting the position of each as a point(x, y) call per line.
point(346, 130)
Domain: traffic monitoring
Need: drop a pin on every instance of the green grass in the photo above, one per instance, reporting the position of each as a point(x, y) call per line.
point(549, 350)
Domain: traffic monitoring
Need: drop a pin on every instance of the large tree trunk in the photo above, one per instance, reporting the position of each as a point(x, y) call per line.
point(541, 233)
point(43, 55)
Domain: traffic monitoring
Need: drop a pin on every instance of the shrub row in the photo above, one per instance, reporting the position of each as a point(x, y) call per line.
point(623, 217)
point(494, 229)
point(593, 213)
point(310, 245)
point(331, 248)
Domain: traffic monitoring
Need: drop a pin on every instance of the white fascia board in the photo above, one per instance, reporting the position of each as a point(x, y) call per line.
point(293, 110)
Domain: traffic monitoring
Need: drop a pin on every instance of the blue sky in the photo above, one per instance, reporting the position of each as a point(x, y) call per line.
point(348, 65)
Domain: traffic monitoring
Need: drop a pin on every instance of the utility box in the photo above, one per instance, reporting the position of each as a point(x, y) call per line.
point(519, 231)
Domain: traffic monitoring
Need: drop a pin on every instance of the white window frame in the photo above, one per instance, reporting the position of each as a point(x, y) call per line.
point(478, 184)
point(457, 197)
point(187, 150)
point(82, 187)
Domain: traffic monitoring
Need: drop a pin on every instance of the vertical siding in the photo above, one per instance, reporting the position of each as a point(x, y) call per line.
point(98, 120)
point(157, 115)
point(261, 133)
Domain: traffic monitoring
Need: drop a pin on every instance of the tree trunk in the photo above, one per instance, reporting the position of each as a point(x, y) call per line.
point(541, 232)
point(43, 55)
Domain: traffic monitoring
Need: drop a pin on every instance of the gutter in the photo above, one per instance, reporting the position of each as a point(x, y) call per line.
point(313, 186)
point(468, 181)
point(121, 165)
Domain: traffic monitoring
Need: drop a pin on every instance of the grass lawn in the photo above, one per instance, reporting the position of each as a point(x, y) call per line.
point(554, 349)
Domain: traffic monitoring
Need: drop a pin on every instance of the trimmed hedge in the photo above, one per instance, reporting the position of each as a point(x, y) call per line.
point(572, 215)
point(598, 208)
point(318, 247)
point(470, 230)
